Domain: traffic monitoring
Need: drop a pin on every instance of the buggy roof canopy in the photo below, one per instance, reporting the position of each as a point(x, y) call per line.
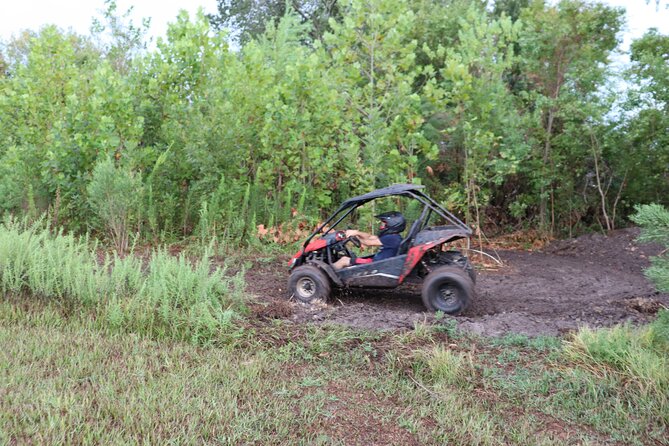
point(395, 189)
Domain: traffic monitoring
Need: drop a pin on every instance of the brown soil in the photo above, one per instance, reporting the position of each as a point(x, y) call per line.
point(593, 281)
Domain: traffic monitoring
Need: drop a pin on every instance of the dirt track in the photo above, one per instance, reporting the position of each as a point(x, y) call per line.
point(592, 280)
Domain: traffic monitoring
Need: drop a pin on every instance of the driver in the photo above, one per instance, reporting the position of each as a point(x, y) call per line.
point(389, 239)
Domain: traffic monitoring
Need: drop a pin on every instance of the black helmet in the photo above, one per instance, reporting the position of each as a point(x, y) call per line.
point(392, 222)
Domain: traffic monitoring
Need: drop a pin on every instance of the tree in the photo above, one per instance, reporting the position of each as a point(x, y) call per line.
point(118, 38)
point(374, 58)
point(44, 76)
point(510, 8)
point(650, 69)
point(248, 19)
point(645, 123)
point(481, 143)
point(564, 52)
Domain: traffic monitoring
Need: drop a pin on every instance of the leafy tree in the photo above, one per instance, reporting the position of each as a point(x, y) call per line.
point(437, 24)
point(178, 124)
point(480, 135)
point(3, 65)
point(43, 77)
point(374, 56)
point(645, 126)
point(564, 51)
point(650, 69)
point(510, 8)
point(248, 19)
point(117, 37)
point(500, 109)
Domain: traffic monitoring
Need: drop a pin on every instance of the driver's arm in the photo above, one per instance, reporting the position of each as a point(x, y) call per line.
point(365, 238)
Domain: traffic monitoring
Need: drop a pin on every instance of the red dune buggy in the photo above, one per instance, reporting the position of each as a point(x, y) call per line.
point(447, 276)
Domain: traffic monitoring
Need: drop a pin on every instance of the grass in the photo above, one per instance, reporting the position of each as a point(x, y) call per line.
point(69, 384)
point(104, 350)
point(162, 295)
point(65, 379)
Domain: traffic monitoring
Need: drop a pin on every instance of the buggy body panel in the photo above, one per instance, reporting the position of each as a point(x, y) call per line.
point(379, 274)
point(426, 240)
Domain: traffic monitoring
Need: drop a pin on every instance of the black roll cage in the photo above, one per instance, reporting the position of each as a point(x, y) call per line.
point(406, 190)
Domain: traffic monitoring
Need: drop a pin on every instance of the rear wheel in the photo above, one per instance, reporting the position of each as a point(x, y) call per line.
point(448, 289)
point(307, 283)
point(455, 258)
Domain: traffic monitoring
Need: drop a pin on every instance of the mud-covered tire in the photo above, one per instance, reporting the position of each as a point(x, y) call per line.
point(448, 289)
point(308, 283)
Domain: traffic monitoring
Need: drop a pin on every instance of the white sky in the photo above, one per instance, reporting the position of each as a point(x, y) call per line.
point(77, 14)
point(642, 15)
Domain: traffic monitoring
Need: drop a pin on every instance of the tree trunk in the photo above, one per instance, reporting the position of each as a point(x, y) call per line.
point(543, 203)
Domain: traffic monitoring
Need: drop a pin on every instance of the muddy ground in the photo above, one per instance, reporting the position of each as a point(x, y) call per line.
point(593, 280)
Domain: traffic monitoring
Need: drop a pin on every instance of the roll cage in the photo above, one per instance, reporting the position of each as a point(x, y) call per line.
point(413, 191)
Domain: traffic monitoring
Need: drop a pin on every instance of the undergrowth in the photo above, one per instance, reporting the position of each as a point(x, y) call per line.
point(288, 384)
point(636, 357)
point(161, 296)
point(611, 381)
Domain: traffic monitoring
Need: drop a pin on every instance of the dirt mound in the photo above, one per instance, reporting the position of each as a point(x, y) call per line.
point(593, 280)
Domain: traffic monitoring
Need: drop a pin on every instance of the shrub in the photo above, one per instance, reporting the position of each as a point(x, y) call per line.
point(115, 194)
point(164, 296)
point(654, 222)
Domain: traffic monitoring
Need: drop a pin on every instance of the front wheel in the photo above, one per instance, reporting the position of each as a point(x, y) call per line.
point(448, 289)
point(308, 283)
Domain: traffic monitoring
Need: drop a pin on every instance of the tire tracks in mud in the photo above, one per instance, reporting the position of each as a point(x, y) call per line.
point(594, 281)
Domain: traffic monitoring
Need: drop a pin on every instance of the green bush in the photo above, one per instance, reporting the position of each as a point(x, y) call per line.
point(115, 196)
point(654, 222)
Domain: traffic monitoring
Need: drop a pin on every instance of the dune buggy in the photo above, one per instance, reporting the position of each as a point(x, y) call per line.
point(447, 276)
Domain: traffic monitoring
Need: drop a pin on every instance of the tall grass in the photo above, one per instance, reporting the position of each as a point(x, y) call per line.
point(163, 296)
point(639, 357)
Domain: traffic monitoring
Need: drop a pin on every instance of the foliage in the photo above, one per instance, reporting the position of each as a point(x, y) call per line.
point(646, 145)
point(248, 19)
point(564, 51)
point(168, 297)
point(654, 222)
point(374, 55)
point(482, 130)
point(639, 355)
point(119, 40)
point(501, 111)
point(301, 384)
point(115, 197)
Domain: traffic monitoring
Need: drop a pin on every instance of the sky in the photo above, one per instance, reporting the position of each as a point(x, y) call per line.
point(77, 14)
point(641, 15)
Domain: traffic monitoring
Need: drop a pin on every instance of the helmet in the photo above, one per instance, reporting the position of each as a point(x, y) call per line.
point(392, 222)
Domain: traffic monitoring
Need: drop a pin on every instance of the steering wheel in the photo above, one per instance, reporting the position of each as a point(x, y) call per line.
point(341, 241)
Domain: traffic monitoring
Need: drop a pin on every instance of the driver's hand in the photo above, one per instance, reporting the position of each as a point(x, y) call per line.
point(352, 232)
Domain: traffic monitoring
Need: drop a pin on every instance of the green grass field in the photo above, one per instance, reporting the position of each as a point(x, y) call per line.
point(63, 380)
